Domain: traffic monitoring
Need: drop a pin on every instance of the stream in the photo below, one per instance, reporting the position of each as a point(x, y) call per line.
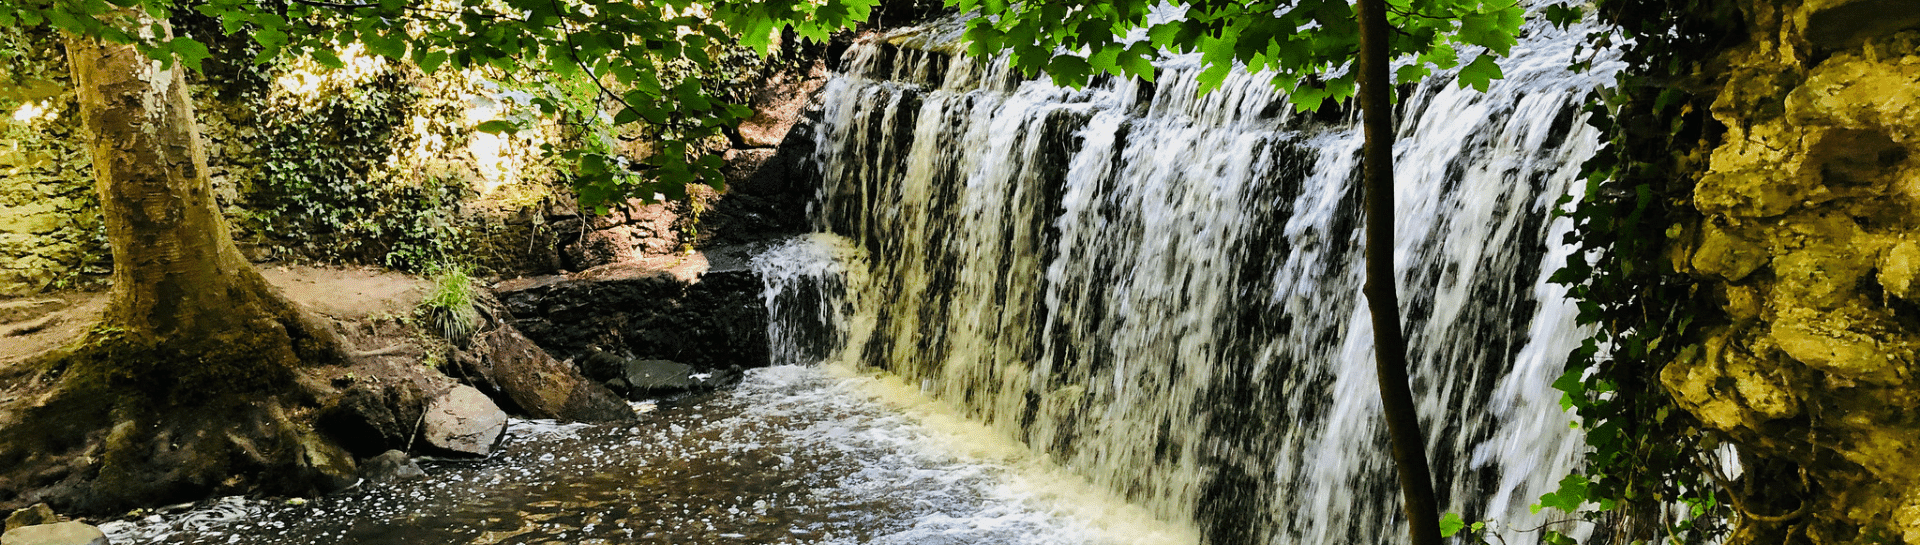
point(793, 455)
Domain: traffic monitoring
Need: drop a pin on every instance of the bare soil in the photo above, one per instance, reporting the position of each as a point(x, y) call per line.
point(350, 297)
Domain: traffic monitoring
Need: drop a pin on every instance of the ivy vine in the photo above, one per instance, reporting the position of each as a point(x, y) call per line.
point(1642, 480)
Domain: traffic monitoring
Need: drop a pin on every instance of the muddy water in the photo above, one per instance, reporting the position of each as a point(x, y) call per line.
point(794, 455)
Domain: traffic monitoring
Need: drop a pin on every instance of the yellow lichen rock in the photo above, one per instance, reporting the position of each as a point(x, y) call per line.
point(1727, 386)
point(1811, 240)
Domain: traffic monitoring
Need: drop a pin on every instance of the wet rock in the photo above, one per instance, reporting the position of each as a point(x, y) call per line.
point(464, 421)
point(64, 533)
point(36, 515)
point(373, 418)
point(714, 321)
point(767, 193)
point(526, 380)
point(641, 378)
point(393, 465)
point(658, 376)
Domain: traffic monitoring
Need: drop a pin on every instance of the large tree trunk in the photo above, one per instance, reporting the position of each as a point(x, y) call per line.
point(1383, 299)
point(189, 387)
point(177, 276)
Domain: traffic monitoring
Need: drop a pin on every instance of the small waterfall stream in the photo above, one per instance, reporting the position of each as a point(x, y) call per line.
point(1161, 291)
point(1156, 293)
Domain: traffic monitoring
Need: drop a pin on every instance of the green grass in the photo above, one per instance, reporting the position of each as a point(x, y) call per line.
point(450, 307)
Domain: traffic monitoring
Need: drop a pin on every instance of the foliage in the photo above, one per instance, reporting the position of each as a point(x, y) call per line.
point(621, 47)
point(1643, 461)
point(450, 307)
point(327, 183)
point(1309, 46)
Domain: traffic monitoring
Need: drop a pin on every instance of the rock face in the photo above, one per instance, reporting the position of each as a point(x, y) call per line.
point(526, 380)
point(1842, 23)
point(463, 421)
point(713, 321)
point(64, 533)
point(1811, 244)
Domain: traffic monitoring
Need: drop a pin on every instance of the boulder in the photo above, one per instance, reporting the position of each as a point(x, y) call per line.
point(464, 421)
point(373, 418)
point(526, 380)
point(393, 465)
point(36, 515)
point(63, 533)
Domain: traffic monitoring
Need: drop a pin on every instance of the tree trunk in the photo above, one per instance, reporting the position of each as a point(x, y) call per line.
point(189, 386)
point(1389, 344)
point(177, 276)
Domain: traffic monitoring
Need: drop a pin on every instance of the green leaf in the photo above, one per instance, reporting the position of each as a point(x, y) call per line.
point(1138, 61)
point(497, 126)
point(326, 58)
point(1563, 15)
point(189, 51)
point(1069, 71)
point(428, 60)
point(1480, 73)
point(1451, 524)
point(386, 45)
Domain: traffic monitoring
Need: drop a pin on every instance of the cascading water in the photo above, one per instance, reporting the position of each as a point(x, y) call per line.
point(1161, 290)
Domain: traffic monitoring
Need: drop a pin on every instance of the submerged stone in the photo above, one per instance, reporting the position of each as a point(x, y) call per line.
point(393, 465)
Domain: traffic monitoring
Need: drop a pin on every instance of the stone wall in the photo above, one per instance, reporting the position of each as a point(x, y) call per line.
point(1811, 246)
point(50, 231)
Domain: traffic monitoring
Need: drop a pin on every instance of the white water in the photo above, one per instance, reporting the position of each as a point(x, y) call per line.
point(1160, 291)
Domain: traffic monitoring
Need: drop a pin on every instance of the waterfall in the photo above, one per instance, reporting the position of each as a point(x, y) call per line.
point(1161, 291)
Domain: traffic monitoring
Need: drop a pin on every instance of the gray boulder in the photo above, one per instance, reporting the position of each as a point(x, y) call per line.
point(63, 533)
point(464, 421)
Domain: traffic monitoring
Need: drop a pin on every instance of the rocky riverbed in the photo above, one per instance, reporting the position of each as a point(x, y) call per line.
point(792, 455)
